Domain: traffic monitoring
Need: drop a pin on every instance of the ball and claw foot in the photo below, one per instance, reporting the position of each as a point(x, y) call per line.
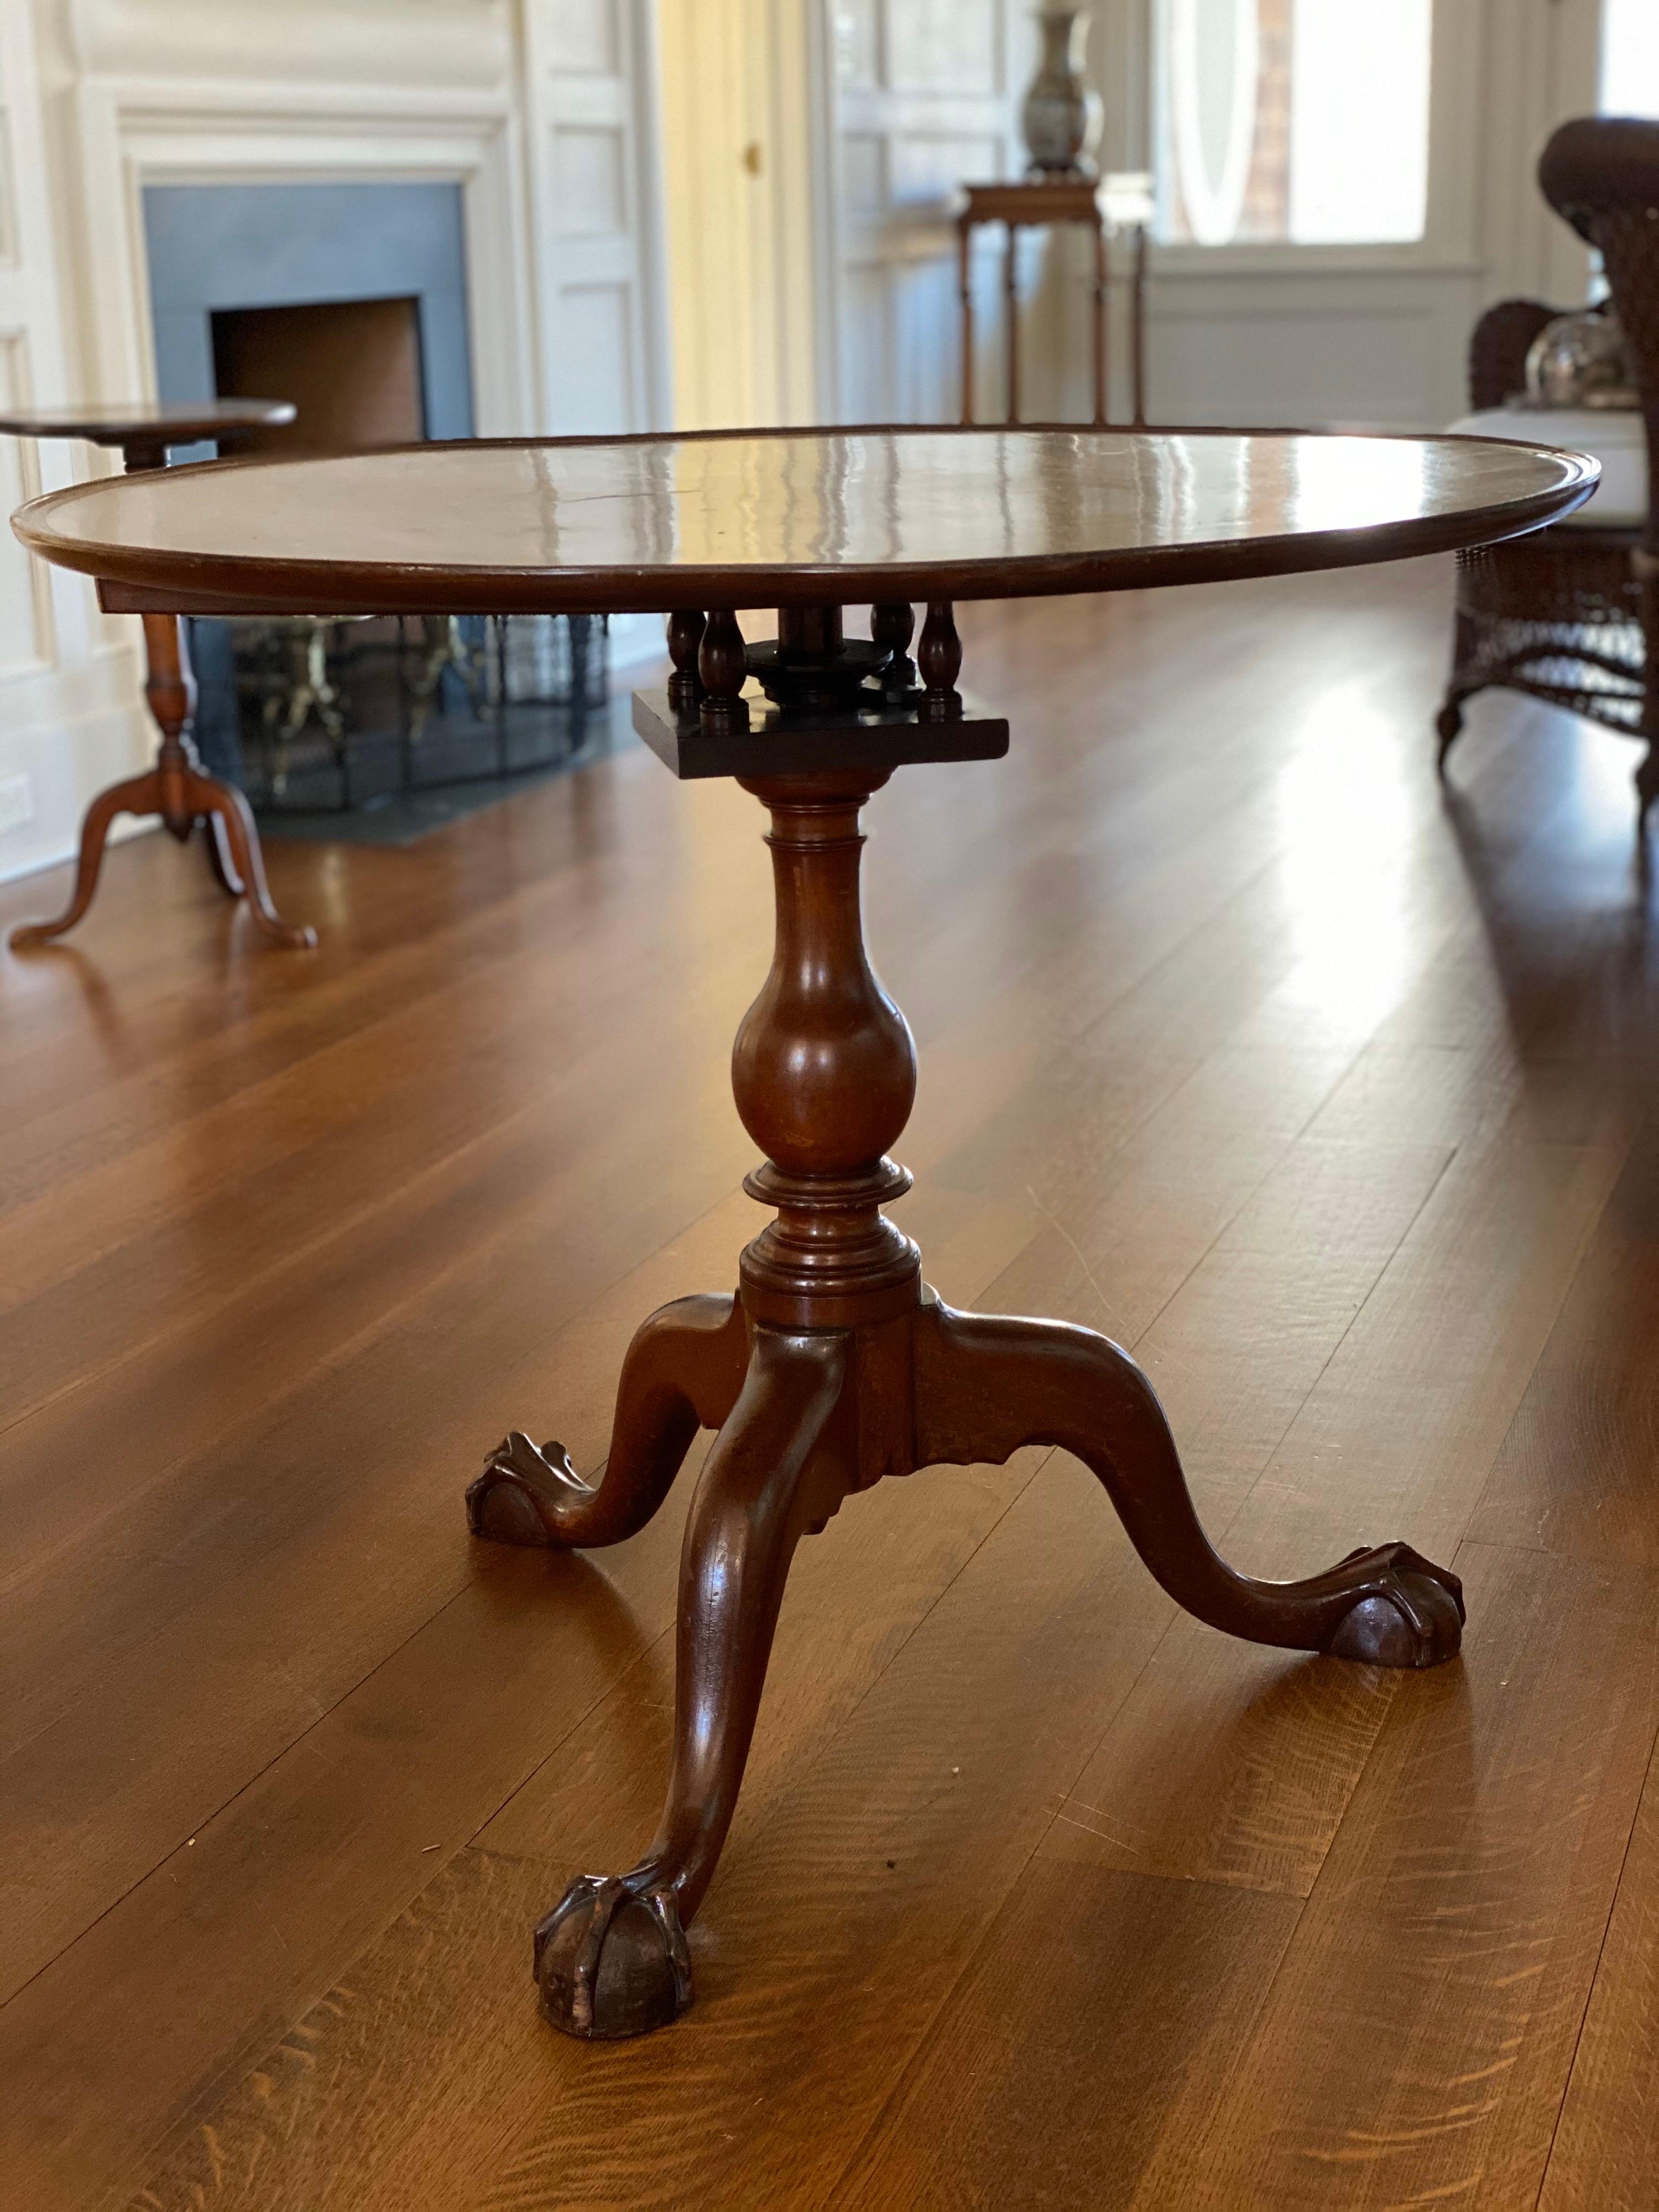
point(611, 1960)
point(1412, 1615)
point(509, 1502)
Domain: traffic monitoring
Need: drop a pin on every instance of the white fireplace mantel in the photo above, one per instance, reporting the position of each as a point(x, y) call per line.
point(467, 44)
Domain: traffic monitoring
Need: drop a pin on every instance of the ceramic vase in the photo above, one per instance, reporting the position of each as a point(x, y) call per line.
point(1062, 117)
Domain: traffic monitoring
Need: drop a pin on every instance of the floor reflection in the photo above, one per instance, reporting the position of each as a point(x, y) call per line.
point(1562, 885)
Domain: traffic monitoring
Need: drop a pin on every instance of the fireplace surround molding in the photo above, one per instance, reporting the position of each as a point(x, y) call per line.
point(486, 93)
point(154, 102)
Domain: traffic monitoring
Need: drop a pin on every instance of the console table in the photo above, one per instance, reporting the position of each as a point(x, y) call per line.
point(1035, 203)
point(833, 1365)
point(176, 788)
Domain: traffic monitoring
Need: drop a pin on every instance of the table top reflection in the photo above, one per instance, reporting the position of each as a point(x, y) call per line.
point(739, 519)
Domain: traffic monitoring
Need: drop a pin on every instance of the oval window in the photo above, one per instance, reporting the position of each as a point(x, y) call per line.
point(1215, 66)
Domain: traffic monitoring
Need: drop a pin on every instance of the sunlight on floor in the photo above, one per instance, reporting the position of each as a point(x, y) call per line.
point(1345, 820)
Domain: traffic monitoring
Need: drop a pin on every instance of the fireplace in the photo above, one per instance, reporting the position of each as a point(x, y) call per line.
point(351, 300)
point(351, 265)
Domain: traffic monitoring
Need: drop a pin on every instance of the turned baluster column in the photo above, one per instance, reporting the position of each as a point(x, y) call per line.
point(824, 1073)
point(170, 693)
point(169, 685)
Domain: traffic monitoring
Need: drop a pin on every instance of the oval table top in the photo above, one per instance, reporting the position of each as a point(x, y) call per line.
point(786, 518)
point(148, 422)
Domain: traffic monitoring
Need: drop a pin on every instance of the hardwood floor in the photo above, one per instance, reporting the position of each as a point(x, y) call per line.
point(1327, 1092)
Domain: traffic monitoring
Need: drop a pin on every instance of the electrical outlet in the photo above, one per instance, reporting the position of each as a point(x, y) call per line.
point(16, 802)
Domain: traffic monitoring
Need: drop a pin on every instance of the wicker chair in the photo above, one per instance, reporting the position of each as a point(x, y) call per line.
point(1563, 615)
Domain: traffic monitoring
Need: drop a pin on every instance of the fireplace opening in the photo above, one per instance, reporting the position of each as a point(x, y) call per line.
point(352, 367)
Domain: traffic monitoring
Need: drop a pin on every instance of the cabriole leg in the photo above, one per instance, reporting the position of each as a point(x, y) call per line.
point(683, 1373)
point(236, 841)
point(985, 1386)
point(610, 1959)
point(142, 795)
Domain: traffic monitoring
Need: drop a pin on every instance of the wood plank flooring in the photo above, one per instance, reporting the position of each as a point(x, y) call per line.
point(1326, 1090)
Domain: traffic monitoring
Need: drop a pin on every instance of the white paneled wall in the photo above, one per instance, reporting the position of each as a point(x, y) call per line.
point(69, 715)
point(596, 233)
point(926, 96)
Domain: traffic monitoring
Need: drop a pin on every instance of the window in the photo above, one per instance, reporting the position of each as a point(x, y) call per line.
point(1304, 122)
point(1630, 58)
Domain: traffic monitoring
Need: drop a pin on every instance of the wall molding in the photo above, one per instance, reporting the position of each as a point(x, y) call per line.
point(131, 139)
point(385, 43)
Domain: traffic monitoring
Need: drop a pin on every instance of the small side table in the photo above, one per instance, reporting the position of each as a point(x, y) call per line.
point(177, 787)
point(1104, 205)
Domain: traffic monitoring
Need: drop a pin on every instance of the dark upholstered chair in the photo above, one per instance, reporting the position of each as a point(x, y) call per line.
point(1565, 615)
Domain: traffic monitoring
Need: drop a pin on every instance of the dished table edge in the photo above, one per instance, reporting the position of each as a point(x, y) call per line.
point(133, 581)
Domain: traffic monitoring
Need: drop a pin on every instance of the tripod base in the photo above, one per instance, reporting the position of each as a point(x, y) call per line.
point(183, 796)
point(805, 1419)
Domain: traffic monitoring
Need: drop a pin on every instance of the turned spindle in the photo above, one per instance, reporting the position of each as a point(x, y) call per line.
point(894, 626)
point(685, 629)
point(722, 670)
point(940, 658)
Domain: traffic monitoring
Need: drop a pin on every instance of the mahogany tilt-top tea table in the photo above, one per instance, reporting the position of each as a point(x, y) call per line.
point(177, 787)
point(833, 1365)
